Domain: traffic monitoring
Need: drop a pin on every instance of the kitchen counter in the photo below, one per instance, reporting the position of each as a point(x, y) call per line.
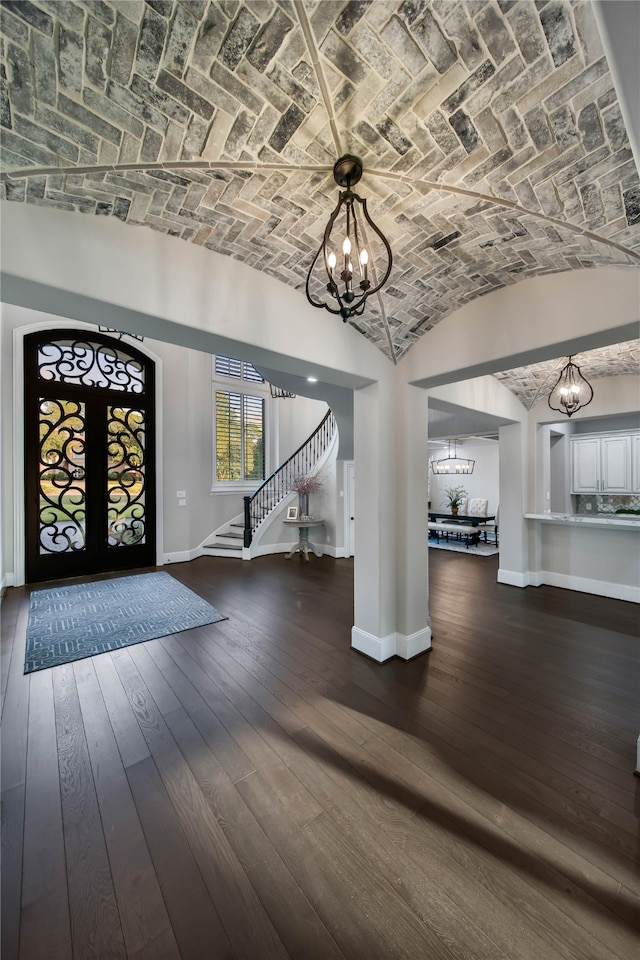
point(608, 520)
point(597, 554)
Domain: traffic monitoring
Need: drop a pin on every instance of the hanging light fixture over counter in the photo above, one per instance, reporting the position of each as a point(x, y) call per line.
point(453, 465)
point(347, 241)
point(571, 391)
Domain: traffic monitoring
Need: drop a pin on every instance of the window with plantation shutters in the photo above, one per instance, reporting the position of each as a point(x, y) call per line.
point(239, 424)
point(237, 369)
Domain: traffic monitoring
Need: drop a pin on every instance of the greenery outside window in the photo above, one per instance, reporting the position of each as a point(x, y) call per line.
point(240, 424)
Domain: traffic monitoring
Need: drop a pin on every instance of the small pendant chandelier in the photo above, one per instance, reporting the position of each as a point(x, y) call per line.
point(453, 465)
point(347, 241)
point(571, 391)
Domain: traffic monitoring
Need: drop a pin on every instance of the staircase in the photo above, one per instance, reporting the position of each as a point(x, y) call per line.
point(240, 532)
point(229, 539)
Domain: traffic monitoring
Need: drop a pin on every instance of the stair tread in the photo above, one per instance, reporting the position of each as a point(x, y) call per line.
point(231, 534)
point(221, 546)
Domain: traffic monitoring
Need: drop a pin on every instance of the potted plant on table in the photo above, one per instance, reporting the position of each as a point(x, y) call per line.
point(303, 485)
point(454, 497)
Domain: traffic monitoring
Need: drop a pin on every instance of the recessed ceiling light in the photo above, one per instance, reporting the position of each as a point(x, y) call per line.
point(312, 379)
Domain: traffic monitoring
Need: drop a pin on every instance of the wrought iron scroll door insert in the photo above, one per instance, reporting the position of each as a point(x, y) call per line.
point(89, 455)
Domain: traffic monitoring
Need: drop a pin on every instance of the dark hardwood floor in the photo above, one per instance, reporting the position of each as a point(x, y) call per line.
point(254, 789)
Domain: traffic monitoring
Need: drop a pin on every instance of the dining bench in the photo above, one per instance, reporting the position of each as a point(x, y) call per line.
point(467, 530)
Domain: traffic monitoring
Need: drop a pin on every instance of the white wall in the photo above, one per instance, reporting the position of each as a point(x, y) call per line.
point(483, 482)
point(5, 458)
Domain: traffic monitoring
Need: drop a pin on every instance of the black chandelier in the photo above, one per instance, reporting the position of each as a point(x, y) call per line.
point(347, 295)
point(571, 391)
point(453, 465)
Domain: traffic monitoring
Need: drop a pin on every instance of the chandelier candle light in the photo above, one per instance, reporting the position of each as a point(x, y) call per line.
point(347, 296)
point(571, 391)
point(453, 465)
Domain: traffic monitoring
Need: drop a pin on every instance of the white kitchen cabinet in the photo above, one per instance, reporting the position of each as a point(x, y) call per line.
point(602, 464)
point(585, 456)
point(635, 462)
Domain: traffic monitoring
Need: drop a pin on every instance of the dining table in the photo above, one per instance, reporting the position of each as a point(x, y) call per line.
point(467, 523)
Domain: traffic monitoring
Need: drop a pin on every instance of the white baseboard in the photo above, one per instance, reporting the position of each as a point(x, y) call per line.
point(7, 581)
point(536, 578)
point(513, 578)
point(182, 556)
point(600, 588)
point(330, 551)
point(410, 646)
point(393, 645)
point(264, 549)
point(378, 648)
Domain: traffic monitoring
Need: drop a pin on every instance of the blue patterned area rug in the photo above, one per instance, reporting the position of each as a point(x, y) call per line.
point(80, 620)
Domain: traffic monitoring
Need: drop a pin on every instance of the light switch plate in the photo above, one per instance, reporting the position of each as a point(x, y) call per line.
point(181, 493)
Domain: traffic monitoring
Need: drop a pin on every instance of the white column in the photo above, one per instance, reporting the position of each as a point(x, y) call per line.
point(390, 573)
point(373, 632)
point(413, 626)
point(514, 559)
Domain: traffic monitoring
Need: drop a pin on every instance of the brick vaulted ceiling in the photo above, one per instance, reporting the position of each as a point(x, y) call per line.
point(492, 140)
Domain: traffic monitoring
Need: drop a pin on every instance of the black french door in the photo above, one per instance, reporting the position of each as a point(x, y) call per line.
point(89, 455)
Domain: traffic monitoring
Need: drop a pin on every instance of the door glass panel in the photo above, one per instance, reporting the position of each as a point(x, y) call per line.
point(126, 519)
point(61, 483)
point(90, 364)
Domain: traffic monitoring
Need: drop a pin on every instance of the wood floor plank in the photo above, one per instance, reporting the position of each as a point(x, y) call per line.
point(9, 612)
point(13, 766)
point(131, 743)
point(145, 924)
point(298, 925)
point(196, 924)
point(570, 777)
point(45, 931)
point(95, 924)
point(347, 924)
point(568, 880)
point(228, 886)
point(235, 763)
point(255, 788)
point(11, 876)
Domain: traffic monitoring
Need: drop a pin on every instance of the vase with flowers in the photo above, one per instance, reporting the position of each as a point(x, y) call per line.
point(454, 497)
point(303, 485)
